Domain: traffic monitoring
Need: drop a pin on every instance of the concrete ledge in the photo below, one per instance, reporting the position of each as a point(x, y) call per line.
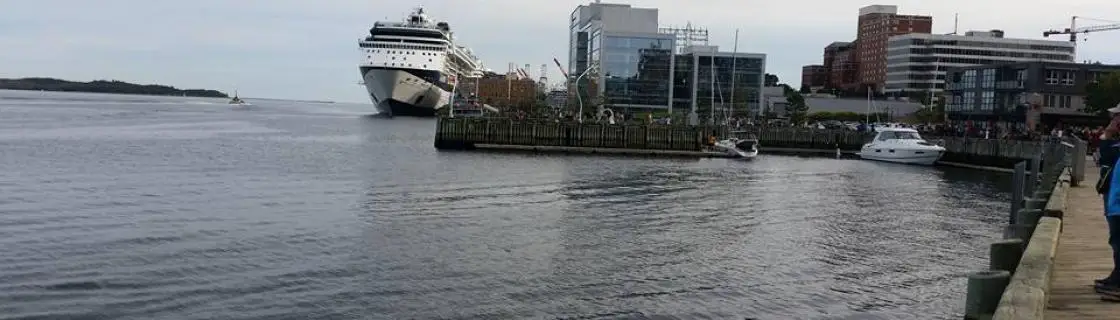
point(605, 151)
point(804, 150)
point(973, 166)
point(1027, 294)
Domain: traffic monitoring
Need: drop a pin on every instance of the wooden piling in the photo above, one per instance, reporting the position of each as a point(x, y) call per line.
point(1005, 254)
point(985, 288)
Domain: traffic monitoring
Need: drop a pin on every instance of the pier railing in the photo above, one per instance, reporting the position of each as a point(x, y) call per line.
point(468, 133)
point(471, 132)
point(1017, 284)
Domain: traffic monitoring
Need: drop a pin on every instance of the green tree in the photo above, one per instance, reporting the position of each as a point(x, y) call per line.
point(796, 108)
point(805, 88)
point(1103, 94)
point(770, 80)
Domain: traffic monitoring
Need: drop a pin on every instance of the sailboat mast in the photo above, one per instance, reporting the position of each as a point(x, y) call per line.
point(734, 59)
point(867, 115)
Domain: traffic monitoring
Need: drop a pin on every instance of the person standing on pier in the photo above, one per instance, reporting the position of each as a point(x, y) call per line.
point(1109, 150)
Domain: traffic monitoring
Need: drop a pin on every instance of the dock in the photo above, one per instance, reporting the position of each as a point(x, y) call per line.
point(554, 136)
point(1083, 255)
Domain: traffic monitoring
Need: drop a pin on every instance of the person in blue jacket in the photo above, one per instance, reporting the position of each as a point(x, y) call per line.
point(1109, 150)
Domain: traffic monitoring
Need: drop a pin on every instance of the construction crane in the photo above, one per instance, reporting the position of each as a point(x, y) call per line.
point(1073, 30)
point(557, 61)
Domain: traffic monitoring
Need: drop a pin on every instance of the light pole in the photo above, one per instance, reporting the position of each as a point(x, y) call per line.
point(579, 97)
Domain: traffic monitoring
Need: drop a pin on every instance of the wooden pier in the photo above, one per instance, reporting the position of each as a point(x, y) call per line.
point(651, 139)
point(1083, 255)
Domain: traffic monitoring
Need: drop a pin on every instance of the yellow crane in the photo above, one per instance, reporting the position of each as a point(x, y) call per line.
point(1073, 30)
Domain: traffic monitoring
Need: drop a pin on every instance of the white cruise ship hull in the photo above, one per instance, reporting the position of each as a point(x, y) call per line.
point(397, 92)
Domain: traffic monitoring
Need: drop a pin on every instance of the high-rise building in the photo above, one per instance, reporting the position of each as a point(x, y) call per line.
point(877, 23)
point(919, 62)
point(630, 62)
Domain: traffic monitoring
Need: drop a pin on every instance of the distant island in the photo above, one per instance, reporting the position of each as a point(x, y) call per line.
point(103, 86)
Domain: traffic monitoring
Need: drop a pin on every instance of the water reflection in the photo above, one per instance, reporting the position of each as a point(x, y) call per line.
point(326, 213)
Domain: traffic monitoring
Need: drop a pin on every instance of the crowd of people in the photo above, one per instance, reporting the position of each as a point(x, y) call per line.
point(1107, 141)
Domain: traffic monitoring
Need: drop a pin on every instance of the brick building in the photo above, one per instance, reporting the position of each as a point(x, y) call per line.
point(841, 69)
point(876, 24)
point(814, 76)
point(504, 92)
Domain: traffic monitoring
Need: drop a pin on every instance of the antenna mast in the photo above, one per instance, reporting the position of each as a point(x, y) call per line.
point(955, 22)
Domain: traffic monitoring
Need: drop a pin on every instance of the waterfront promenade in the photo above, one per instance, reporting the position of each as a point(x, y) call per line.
point(1083, 255)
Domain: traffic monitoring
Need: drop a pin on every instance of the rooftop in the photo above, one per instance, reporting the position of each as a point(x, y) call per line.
point(984, 36)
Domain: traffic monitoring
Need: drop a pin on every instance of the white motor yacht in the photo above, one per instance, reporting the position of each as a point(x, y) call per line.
point(901, 145)
point(738, 148)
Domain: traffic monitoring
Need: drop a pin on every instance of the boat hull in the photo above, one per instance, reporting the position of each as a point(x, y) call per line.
point(732, 148)
point(397, 92)
point(917, 157)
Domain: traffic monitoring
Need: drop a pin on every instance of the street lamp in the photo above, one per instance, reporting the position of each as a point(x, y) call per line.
point(579, 97)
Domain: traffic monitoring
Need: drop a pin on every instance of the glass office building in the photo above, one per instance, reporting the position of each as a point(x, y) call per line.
point(631, 67)
point(714, 90)
point(636, 71)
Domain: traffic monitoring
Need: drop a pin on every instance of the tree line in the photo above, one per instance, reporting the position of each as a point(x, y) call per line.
point(104, 86)
point(1103, 94)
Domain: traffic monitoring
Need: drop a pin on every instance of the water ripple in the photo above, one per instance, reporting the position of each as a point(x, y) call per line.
point(145, 210)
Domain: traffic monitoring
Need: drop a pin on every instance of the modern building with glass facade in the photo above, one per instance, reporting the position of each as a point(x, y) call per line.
point(997, 94)
point(917, 62)
point(704, 83)
point(630, 62)
point(636, 71)
point(622, 61)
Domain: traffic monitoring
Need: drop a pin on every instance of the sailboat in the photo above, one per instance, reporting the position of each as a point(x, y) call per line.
point(734, 147)
point(236, 100)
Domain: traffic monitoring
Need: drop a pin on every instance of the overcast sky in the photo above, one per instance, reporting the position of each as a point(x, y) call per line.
point(305, 49)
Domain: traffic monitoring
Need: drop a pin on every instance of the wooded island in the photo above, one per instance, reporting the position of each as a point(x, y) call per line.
point(103, 86)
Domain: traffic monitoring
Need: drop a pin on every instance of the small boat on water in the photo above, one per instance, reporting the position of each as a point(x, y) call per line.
point(236, 100)
point(901, 145)
point(738, 148)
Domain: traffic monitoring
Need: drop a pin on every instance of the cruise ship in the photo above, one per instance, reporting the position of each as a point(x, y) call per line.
point(409, 67)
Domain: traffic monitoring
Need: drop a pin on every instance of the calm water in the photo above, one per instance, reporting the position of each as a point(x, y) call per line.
point(178, 208)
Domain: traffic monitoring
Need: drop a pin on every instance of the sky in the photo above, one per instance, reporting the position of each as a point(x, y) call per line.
point(303, 49)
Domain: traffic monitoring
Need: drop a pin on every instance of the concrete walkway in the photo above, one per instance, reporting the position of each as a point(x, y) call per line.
point(1083, 255)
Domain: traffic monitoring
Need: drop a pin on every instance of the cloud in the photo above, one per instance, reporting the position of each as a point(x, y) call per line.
point(307, 49)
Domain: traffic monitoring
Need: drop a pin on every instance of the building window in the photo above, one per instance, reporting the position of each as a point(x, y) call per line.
point(1050, 101)
point(1068, 78)
point(988, 100)
point(1052, 76)
point(969, 79)
point(969, 102)
point(1066, 102)
point(989, 79)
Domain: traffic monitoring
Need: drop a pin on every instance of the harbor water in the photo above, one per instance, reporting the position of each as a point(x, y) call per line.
point(126, 207)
